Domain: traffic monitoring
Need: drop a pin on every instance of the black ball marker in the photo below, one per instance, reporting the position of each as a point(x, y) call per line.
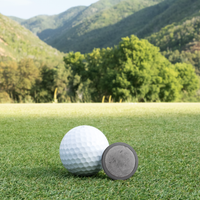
point(119, 161)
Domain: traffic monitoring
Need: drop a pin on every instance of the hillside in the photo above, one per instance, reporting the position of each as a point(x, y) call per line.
point(172, 25)
point(57, 30)
point(44, 25)
point(94, 31)
point(17, 42)
point(17, 19)
point(177, 36)
point(104, 23)
point(180, 42)
point(40, 23)
point(103, 30)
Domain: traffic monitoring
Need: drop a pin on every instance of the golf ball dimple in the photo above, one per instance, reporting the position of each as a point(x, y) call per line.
point(81, 150)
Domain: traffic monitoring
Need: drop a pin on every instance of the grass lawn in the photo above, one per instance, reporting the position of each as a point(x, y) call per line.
point(166, 138)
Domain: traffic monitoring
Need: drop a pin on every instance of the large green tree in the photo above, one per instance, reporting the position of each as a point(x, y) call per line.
point(142, 72)
point(135, 69)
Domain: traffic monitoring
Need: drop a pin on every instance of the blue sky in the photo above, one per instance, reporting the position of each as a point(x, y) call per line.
point(26, 9)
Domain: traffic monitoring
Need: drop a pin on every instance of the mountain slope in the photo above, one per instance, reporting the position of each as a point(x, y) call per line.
point(68, 18)
point(17, 19)
point(85, 36)
point(176, 11)
point(104, 23)
point(180, 42)
point(17, 42)
point(59, 29)
point(177, 36)
point(42, 22)
point(95, 30)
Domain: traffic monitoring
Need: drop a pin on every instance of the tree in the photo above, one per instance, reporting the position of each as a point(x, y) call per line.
point(75, 65)
point(187, 77)
point(133, 69)
point(9, 78)
point(28, 73)
point(43, 90)
point(143, 72)
point(98, 65)
point(62, 83)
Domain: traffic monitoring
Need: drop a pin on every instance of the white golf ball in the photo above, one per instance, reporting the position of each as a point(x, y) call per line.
point(81, 150)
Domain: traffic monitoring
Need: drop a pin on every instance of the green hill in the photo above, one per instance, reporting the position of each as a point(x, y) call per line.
point(44, 22)
point(17, 42)
point(172, 25)
point(60, 30)
point(105, 22)
point(46, 26)
point(177, 36)
point(17, 19)
point(180, 41)
point(106, 29)
point(94, 31)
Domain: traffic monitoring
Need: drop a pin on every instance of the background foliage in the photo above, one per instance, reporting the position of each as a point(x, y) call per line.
point(133, 69)
point(130, 69)
point(17, 42)
point(24, 82)
point(104, 23)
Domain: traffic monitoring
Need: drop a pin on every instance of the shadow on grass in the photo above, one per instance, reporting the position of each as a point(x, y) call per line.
point(54, 172)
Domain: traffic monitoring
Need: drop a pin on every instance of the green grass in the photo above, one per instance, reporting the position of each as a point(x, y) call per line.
point(166, 138)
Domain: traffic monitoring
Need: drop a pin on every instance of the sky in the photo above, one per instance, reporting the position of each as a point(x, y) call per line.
point(26, 9)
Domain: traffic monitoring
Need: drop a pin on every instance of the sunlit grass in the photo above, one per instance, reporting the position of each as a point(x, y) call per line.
point(166, 138)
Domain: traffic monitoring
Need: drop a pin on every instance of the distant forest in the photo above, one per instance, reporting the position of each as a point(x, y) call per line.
point(134, 70)
point(132, 50)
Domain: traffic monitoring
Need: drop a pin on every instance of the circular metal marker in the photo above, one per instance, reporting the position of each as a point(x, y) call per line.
point(119, 161)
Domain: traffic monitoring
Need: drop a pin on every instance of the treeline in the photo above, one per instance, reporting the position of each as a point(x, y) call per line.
point(26, 83)
point(134, 70)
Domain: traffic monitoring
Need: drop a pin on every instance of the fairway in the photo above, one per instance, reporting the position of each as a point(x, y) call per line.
point(165, 136)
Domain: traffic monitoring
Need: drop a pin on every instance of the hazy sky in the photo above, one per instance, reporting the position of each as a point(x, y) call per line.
point(26, 9)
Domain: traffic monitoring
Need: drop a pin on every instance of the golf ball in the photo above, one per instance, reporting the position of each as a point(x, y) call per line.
point(81, 150)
